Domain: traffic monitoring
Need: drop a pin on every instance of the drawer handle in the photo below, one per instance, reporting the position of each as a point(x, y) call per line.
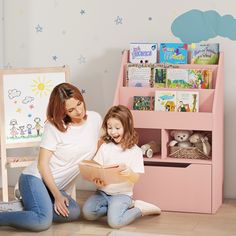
point(166, 164)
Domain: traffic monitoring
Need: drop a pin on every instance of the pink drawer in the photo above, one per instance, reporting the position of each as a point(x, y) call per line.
point(179, 187)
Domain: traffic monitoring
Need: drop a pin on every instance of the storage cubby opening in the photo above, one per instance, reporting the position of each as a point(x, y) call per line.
point(151, 137)
point(189, 144)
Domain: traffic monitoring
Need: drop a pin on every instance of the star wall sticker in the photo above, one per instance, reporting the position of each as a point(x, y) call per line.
point(82, 59)
point(63, 32)
point(54, 58)
point(83, 91)
point(39, 28)
point(82, 12)
point(118, 20)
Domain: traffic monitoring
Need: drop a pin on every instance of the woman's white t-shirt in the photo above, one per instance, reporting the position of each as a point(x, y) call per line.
point(69, 148)
point(110, 153)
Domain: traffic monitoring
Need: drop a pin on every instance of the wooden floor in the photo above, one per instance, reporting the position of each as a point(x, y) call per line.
point(223, 223)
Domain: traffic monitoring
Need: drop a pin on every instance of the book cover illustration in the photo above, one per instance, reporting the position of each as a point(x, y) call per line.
point(144, 103)
point(159, 75)
point(138, 75)
point(174, 53)
point(109, 174)
point(200, 78)
point(187, 101)
point(165, 101)
point(177, 78)
point(143, 53)
point(205, 53)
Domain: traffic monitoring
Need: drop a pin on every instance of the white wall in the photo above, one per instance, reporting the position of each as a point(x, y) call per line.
point(1, 34)
point(91, 44)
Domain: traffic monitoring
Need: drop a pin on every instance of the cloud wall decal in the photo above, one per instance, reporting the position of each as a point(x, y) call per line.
point(195, 26)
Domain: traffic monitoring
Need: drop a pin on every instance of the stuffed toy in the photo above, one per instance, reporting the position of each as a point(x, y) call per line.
point(181, 138)
point(198, 140)
point(150, 148)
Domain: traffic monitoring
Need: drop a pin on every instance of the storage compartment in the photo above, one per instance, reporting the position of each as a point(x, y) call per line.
point(200, 144)
point(176, 187)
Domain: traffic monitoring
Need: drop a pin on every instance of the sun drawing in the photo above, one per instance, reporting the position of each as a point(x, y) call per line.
point(42, 86)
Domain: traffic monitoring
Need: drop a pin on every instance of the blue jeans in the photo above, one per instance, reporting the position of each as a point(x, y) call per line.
point(118, 208)
point(38, 213)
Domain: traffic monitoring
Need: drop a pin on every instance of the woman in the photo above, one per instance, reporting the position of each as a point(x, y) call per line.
point(70, 135)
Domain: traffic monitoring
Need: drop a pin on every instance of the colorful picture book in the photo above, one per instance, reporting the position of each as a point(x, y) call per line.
point(138, 75)
point(165, 101)
point(143, 53)
point(189, 78)
point(200, 78)
point(179, 101)
point(187, 101)
point(177, 78)
point(174, 53)
point(159, 76)
point(144, 103)
point(204, 53)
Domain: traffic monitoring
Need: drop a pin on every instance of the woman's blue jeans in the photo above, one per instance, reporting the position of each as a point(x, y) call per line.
point(118, 208)
point(38, 213)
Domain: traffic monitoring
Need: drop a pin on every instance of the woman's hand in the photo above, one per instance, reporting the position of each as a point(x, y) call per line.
point(99, 182)
point(61, 205)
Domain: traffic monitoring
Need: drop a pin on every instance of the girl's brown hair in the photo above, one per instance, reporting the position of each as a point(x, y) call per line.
point(124, 115)
point(56, 110)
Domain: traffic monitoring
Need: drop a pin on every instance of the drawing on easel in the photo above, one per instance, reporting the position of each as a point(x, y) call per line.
point(25, 97)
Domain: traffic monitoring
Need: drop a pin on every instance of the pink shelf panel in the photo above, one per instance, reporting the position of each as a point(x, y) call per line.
point(173, 120)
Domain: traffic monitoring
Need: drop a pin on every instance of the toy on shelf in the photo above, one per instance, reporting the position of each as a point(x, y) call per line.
point(201, 142)
point(150, 148)
point(181, 138)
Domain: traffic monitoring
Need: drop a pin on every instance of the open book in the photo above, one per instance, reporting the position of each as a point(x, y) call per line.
point(110, 174)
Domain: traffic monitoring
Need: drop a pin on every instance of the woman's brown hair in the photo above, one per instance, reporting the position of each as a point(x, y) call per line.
point(56, 111)
point(124, 115)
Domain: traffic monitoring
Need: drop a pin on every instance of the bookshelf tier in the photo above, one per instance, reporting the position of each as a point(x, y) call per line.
point(179, 184)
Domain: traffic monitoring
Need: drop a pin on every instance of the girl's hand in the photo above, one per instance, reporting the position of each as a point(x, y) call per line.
point(126, 172)
point(99, 182)
point(61, 205)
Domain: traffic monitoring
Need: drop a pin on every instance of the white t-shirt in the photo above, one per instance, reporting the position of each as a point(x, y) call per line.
point(110, 153)
point(69, 148)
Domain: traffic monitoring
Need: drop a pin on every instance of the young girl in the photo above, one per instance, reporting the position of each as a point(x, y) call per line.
point(115, 200)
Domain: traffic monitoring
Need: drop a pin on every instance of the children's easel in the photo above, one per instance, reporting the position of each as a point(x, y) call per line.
point(24, 95)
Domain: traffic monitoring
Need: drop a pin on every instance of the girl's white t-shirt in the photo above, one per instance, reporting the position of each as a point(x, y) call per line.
point(110, 153)
point(69, 148)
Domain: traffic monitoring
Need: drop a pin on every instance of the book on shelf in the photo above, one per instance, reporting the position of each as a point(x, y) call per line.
point(143, 53)
point(174, 53)
point(159, 77)
point(165, 100)
point(139, 75)
point(144, 103)
point(177, 78)
point(204, 53)
point(189, 78)
point(187, 101)
point(200, 78)
point(109, 174)
point(180, 101)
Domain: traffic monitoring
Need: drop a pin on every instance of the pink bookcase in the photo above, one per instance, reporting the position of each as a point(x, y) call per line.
point(186, 185)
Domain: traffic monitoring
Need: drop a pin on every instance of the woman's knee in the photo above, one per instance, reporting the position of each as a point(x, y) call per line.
point(41, 225)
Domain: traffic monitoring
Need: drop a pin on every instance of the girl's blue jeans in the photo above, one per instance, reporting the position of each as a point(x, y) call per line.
point(118, 208)
point(38, 213)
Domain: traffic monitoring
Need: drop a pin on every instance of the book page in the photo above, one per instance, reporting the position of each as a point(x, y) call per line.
point(110, 174)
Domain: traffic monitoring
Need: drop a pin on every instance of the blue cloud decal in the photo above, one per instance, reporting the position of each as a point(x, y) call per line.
point(195, 26)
